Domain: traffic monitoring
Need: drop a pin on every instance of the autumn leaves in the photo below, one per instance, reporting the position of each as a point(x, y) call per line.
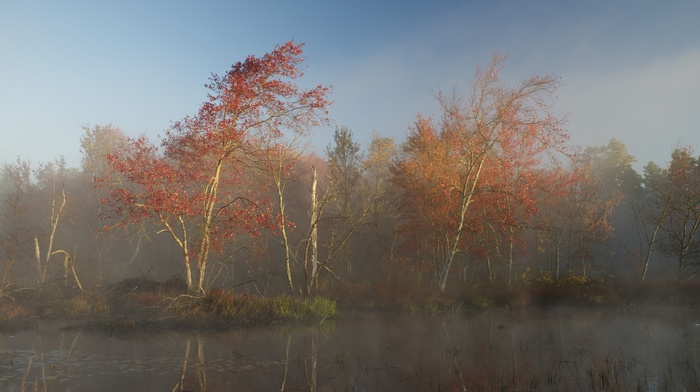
point(203, 186)
point(470, 185)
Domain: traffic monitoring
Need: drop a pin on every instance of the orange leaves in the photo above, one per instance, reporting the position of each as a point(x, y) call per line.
point(474, 169)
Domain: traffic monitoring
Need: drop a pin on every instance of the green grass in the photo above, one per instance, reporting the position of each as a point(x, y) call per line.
point(252, 309)
point(302, 309)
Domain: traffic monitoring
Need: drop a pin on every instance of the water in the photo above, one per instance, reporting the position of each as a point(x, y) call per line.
point(556, 349)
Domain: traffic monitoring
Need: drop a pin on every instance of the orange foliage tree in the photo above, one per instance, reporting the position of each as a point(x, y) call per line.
point(478, 155)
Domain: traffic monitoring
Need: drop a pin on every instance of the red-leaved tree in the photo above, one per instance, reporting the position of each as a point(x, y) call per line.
point(203, 186)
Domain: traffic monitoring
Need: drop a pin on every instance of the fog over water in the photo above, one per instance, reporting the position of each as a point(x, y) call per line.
point(555, 349)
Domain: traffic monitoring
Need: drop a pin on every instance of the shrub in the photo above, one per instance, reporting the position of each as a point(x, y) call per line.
point(219, 302)
point(302, 309)
point(12, 311)
point(580, 289)
point(87, 306)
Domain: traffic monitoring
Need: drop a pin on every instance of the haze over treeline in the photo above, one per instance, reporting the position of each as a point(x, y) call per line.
point(486, 192)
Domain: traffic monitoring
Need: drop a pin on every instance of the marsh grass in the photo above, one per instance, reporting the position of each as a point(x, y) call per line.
point(435, 306)
point(545, 291)
point(252, 309)
point(458, 372)
point(610, 374)
point(15, 317)
point(167, 305)
point(384, 296)
point(85, 306)
point(613, 373)
point(144, 305)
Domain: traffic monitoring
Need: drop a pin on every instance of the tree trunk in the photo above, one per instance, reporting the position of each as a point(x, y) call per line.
point(202, 269)
point(510, 259)
point(311, 271)
point(69, 265)
point(649, 250)
point(75, 275)
point(557, 261)
point(467, 192)
point(489, 271)
point(314, 232)
point(188, 272)
point(183, 243)
point(285, 238)
point(55, 218)
point(207, 221)
point(37, 256)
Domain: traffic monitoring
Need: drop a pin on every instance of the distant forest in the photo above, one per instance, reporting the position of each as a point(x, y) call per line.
point(486, 193)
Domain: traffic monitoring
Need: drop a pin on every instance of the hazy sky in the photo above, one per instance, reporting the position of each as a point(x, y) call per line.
point(630, 69)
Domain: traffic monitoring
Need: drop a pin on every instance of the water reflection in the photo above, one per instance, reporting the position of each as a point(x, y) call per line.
point(200, 379)
point(562, 349)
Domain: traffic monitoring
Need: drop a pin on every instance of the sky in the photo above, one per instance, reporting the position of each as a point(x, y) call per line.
point(629, 69)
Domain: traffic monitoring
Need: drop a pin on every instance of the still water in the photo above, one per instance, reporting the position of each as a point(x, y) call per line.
point(549, 350)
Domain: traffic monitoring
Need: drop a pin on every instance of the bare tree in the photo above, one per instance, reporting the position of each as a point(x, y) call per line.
point(681, 226)
point(16, 184)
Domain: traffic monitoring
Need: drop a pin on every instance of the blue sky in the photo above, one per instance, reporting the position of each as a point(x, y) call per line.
point(630, 69)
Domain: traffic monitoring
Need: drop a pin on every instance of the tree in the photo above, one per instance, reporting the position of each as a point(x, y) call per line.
point(206, 172)
point(338, 207)
point(613, 165)
point(304, 202)
point(35, 210)
point(553, 223)
point(16, 229)
point(311, 249)
point(53, 177)
point(573, 217)
point(584, 210)
point(655, 204)
point(680, 211)
point(487, 134)
point(279, 161)
point(378, 237)
point(344, 173)
point(97, 143)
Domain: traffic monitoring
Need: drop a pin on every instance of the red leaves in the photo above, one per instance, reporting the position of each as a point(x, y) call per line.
point(205, 180)
point(255, 98)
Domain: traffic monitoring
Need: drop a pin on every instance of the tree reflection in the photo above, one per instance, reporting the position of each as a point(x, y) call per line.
point(310, 365)
point(286, 361)
point(200, 378)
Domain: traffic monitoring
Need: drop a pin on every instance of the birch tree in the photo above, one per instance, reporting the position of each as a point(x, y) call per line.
point(488, 132)
point(206, 171)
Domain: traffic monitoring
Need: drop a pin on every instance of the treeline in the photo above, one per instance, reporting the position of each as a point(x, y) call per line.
point(489, 192)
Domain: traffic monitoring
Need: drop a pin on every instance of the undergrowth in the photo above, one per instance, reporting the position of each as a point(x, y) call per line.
point(144, 305)
point(140, 304)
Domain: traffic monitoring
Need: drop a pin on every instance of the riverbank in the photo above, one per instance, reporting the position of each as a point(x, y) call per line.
point(142, 305)
point(543, 292)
